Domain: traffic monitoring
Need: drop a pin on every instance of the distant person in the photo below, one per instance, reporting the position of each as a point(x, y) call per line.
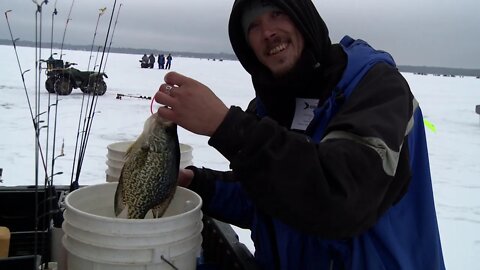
point(151, 61)
point(161, 61)
point(169, 61)
point(144, 61)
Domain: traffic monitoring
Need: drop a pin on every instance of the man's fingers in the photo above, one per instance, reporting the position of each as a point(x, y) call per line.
point(166, 113)
point(163, 96)
point(175, 78)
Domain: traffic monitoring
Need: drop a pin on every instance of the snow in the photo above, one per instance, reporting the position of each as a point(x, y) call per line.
point(448, 103)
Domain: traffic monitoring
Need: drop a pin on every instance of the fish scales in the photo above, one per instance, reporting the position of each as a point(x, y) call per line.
point(149, 177)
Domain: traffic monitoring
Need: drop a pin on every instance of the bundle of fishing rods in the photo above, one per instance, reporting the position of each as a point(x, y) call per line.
point(45, 121)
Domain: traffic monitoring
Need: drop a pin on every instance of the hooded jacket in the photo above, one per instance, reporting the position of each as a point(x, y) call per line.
point(353, 190)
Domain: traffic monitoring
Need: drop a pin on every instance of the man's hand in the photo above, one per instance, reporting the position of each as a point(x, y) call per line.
point(185, 177)
point(190, 104)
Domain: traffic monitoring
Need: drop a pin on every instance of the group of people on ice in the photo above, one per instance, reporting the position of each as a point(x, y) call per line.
point(149, 61)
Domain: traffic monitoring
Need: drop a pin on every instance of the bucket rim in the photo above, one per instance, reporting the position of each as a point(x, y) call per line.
point(197, 224)
point(126, 220)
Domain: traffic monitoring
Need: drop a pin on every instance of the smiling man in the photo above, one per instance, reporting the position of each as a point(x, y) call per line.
point(329, 163)
point(273, 37)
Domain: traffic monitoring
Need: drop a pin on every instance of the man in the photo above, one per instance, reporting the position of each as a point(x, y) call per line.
point(329, 162)
point(161, 61)
point(169, 61)
point(151, 59)
point(144, 61)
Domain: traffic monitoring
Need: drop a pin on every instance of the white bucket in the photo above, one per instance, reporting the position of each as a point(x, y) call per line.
point(116, 158)
point(96, 239)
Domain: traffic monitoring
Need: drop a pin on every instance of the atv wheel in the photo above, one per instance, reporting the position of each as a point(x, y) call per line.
point(49, 84)
point(63, 86)
point(98, 88)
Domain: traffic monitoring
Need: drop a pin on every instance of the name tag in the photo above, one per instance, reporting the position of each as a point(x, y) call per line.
point(303, 113)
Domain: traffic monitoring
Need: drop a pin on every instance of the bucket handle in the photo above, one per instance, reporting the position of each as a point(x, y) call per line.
point(168, 262)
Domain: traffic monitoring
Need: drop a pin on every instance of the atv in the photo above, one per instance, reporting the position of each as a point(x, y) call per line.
point(62, 78)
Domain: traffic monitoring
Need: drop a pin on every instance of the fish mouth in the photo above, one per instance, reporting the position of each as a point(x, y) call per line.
point(158, 118)
point(155, 121)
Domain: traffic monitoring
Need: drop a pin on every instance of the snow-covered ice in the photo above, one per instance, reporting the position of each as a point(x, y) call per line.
point(448, 103)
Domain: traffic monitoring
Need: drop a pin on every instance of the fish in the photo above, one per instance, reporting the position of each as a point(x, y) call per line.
point(148, 179)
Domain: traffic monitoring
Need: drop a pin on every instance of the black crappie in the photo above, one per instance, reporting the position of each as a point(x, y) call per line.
point(148, 179)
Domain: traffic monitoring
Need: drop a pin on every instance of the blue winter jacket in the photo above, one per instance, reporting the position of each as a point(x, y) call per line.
point(404, 237)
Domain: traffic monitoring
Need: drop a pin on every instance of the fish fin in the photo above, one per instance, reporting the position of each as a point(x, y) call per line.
point(119, 203)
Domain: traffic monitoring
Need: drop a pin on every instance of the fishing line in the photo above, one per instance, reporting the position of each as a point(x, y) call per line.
point(102, 11)
point(65, 30)
point(111, 39)
point(151, 105)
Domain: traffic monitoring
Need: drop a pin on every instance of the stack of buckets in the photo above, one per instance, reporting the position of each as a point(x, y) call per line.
point(95, 239)
point(116, 158)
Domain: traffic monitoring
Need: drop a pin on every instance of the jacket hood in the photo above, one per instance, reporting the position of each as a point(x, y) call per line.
point(277, 95)
point(306, 18)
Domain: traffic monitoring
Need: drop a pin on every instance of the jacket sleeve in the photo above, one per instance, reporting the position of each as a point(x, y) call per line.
point(337, 187)
point(223, 198)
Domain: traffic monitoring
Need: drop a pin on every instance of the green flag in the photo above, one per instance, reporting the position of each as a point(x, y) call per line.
point(430, 125)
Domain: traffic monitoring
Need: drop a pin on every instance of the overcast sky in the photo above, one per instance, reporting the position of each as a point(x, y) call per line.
point(442, 33)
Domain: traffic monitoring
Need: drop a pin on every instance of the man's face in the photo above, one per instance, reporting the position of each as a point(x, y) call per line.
point(276, 41)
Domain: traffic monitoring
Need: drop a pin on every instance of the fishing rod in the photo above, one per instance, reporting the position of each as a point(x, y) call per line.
point(82, 132)
point(50, 211)
point(49, 100)
point(38, 53)
point(92, 106)
point(120, 96)
point(51, 33)
point(55, 12)
point(111, 39)
point(96, 58)
point(22, 73)
point(102, 11)
point(38, 48)
point(75, 184)
point(36, 120)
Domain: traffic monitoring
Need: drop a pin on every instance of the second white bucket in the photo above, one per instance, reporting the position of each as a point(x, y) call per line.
point(116, 158)
point(96, 239)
